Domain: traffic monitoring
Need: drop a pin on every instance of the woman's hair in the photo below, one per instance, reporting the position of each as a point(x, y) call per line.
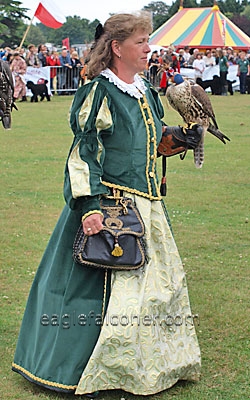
point(118, 27)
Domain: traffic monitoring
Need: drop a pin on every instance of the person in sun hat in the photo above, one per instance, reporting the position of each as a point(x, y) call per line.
point(18, 67)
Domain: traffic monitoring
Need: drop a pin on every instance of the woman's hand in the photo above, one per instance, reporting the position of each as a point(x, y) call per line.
point(92, 224)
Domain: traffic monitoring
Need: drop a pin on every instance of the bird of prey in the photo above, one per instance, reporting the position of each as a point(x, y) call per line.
point(193, 104)
point(6, 94)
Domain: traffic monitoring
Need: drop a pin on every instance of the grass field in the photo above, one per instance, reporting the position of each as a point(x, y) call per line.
point(209, 210)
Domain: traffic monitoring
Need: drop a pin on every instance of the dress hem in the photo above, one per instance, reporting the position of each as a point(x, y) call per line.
point(58, 387)
point(146, 392)
point(73, 389)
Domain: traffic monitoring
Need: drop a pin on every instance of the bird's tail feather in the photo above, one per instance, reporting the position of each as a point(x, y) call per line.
point(217, 133)
point(214, 121)
point(199, 154)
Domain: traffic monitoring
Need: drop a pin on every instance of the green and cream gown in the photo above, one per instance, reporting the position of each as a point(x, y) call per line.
point(147, 341)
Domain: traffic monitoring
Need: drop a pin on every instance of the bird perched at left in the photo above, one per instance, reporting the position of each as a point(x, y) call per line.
point(6, 94)
point(194, 106)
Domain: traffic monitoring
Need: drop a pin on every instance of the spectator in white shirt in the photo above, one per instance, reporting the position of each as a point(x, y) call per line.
point(198, 66)
point(209, 59)
point(186, 54)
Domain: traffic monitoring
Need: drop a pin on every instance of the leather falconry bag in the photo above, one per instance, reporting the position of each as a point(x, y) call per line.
point(119, 245)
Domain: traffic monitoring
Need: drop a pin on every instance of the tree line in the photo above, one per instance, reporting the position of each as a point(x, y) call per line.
point(14, 21)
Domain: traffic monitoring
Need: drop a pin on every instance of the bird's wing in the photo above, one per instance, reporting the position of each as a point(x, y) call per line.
point(171, 97)
point(179, 99)
point(200, 96)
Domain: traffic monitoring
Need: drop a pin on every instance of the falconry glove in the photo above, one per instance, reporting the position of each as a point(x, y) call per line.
point(177, 139)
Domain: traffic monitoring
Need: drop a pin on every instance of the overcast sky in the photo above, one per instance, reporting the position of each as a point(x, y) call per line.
point(91, 9)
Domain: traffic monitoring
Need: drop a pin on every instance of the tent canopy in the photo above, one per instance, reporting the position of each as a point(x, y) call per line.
point(200, 28)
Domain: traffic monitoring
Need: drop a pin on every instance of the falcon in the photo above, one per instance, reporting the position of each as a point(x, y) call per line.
point(6, 94)
point(194, 106)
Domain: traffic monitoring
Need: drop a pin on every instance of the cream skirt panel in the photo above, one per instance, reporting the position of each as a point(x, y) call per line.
point(148, 340)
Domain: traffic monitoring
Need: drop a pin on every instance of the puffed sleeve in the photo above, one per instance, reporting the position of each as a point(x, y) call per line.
point(90, 120)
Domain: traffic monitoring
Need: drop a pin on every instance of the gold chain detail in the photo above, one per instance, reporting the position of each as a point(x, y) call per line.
point(104, 294)
point(133, 191)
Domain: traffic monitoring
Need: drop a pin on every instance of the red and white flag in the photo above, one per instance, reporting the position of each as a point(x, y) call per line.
point(65, 42)
point(49, 15)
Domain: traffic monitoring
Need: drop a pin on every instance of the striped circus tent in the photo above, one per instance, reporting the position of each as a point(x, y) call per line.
point(201, 28)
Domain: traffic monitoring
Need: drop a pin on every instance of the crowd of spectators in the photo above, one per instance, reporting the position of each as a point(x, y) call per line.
point(66, 67)
point(161, 66)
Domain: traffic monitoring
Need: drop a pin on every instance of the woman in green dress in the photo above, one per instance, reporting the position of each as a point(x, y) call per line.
point(147, 340)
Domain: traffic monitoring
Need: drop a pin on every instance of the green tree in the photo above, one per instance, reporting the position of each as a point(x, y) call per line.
point(12, 26)
point(173, 9)
point(159, 11)
point(206, 3)
point(190, 3)
point(35, 36)
point(242, 22)
point(229, 7)
point(246, 12)
point(76, 29)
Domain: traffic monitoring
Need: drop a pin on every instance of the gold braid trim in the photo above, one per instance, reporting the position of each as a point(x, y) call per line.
point(148, 143)
point(90, 213)
point(134, 191)
point(35, 378)
point(150, 116)
point(155, 144)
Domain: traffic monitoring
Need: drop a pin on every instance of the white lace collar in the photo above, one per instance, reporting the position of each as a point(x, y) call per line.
point(136, 89)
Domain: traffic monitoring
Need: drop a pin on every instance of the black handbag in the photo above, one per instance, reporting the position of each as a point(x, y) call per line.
point(119, 245)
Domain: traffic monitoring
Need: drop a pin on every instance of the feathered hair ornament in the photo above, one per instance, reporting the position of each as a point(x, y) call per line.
point(98, 31)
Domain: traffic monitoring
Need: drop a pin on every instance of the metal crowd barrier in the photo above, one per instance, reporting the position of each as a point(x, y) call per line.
point(154, 79)
point(61, 80)
point(65, 81)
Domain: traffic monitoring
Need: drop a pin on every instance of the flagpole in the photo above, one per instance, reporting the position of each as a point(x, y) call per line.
point(26, 32)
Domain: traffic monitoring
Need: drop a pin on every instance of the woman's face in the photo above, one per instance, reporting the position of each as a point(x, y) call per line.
point(133, 51)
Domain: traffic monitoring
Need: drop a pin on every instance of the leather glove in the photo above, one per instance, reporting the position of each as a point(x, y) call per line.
point(193, 135)
point(177, 139)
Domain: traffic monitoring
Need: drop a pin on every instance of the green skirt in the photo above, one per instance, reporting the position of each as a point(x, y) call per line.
point(62, 319)
point(147, 341)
